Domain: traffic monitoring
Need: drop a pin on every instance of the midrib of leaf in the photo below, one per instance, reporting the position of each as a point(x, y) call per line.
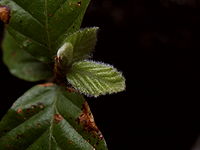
point(37, 138)
point(50, 46)
point(66, 33)
point(58, 8)
point(87, 73)
point(54, 139)
point(28, 12)
point(51, 137)
point(47, 25)
point(39, 43)
point(50, 128)
point(60, 37)
point(23, 34)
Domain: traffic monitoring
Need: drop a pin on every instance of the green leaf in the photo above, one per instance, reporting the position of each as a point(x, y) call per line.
point(22, 64)
point(40, 26)
point(83, 42)
point(49, 117)
point(94, 79)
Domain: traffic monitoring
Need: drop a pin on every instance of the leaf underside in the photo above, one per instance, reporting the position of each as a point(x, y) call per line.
point(49, 117)
point(94, 79)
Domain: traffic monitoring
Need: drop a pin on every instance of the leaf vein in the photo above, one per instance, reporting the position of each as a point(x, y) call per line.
point(28, 12)
point(47, 25)
point(23, 34)
point(59, 7)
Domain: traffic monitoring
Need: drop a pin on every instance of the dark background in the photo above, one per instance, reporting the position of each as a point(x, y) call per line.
point(155, 44)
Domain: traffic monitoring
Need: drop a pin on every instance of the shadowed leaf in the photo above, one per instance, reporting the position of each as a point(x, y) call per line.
point(40, 26)
point(22, 64)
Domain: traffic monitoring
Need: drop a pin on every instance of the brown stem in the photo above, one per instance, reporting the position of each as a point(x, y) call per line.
point(59, 72)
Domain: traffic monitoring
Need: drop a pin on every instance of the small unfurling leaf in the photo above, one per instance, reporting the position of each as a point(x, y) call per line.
point(84, 42)
point(65, 54)
point(94, 79)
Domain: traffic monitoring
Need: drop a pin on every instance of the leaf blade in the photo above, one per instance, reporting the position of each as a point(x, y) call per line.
point(22, 64)
point(94, 79)
point(83, 42)
point(45, 22)
point(49, 117)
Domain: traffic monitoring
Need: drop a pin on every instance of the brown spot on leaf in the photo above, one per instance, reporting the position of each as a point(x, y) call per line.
point(19, 111)
point(33, 106)
point(71, 90)
point(19, 136)
point(40, 105)
point(46, 84)
point(76, 4)
point(70, 142)
point(38, 125)
point(79, 3)
point(4, 14)
point(57, 118)
point(14, 54)
point(28, 110)
point(87, 120)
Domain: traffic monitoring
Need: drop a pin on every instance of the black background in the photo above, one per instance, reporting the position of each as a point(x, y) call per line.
point(155, 44)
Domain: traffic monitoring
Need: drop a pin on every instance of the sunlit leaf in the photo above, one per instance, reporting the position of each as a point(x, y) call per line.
point(94, 79)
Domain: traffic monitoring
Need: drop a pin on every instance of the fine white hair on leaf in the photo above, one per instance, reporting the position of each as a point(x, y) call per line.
point(65, 53)
point(95, 78)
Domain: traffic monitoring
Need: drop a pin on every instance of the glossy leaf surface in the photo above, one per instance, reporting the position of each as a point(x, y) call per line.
point(40, 26)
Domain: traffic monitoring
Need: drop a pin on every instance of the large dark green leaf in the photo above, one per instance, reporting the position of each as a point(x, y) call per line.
point(40, 26)
point(49, 117)
point(22, 64)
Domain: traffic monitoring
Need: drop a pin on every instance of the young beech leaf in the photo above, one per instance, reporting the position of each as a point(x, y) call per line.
point(22, 64)
point(94, 79)
point(40, 26)
point(65, 54)
point(49, 117)
point(83, 42)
